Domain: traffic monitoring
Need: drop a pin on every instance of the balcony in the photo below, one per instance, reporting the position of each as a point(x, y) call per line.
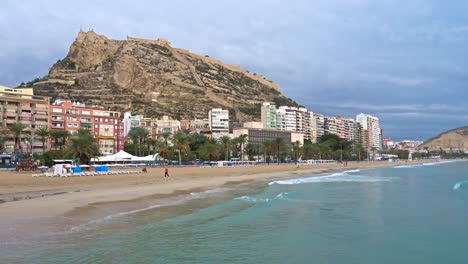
point(10, 113)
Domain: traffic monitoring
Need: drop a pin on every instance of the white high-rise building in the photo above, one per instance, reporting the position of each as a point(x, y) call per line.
point(371, 127)
point(319, 122)
point(130, 121)
point(296, 120)
point(219, 122)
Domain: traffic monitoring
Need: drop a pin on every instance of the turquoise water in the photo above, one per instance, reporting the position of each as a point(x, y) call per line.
point(408, 214)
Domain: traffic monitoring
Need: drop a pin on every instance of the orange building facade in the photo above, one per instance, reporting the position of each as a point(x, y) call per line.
point(106, 125)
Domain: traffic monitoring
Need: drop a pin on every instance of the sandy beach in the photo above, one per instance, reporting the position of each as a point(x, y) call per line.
point(23, 196)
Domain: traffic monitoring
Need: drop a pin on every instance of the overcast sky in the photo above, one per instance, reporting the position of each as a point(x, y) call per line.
point(403, 61)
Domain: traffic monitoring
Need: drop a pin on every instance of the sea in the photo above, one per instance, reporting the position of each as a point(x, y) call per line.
point(396, 214)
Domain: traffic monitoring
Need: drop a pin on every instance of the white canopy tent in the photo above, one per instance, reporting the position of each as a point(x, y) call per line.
point(123, 156)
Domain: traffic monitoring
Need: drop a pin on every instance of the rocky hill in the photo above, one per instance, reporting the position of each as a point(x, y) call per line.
point(455, 140)
point(151, 77)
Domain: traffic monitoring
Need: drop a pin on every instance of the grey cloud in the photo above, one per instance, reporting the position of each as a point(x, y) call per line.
point(350, 56)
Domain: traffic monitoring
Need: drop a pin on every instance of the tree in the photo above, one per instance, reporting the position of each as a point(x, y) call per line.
point(242, 141)
point(138, 135)
point(17, 129)
point(267, 149)
point(253, 150)
point(60, 138)
point(296, 150)
point(196, 140)
point(278, 145)
point(181, 143)
point(361, 152)
point(82, 146)
point(3, 139)
point(209, 151)
point(165, 136)
point(226, 142)
point(151, 144)
point(43, 133)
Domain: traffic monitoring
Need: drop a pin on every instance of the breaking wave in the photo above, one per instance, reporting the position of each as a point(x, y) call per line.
point(250, 199)
point(337, 177)
point(463, 185)
point(425, 164)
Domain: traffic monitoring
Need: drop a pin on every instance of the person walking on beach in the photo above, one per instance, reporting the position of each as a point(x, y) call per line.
point(166, 172)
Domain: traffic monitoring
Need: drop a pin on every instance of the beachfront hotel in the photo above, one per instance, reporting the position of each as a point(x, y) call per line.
point(21, 105)
point(106, 125)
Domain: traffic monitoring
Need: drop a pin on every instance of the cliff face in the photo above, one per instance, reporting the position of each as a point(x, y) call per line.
point(456, 140)
point(150, 77)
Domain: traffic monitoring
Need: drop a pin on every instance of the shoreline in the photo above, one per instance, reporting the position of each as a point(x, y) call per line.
point(66, 198)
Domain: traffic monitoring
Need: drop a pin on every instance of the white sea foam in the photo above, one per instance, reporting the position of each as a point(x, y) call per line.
point(460, 185)
point(425, 164)
point(408, 166)
point(208, 192)
point(336, 177)
point(250, 199)
point(86, 225)
point(352, 171)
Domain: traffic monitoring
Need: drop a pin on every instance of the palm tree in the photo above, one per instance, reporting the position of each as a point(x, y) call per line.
point(82, 146)
point(296, 150)
point(242, 139)
point(278, 145)
point(181, 143)
point(17, 129)
point(43, 133)
point(138, 135)
point(226, 142)
point(60, 137)
point(166, 137)
point(151, 144)
point(209, 150)
point(3, 140)
point(360, 150)
point(253, 150)
point(267, 148)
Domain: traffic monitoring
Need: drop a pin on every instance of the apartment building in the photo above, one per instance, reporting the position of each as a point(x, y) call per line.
point(156, 126)
point(106, 125)
point(371, 128)
point(21, 105)
point(269, 120)
point(130, 121)
point(319, 122)
point(219, 122)
point(295, 119)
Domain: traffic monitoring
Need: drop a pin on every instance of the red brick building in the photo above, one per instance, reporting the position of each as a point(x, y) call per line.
point(106, 125)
